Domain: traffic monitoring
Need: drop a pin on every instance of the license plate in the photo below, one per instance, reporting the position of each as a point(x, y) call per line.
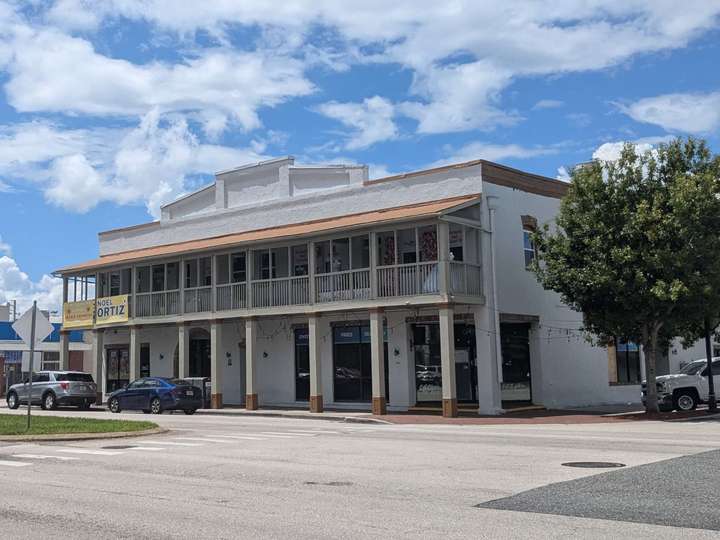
point(188, 392)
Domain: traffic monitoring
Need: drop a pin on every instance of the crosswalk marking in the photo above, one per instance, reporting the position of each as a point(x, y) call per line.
point(89, 451)
point(42, 456)
point(6, 463)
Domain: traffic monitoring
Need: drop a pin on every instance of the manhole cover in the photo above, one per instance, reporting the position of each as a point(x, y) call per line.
point(118, 447)
point(333, 484)
point(593, 464)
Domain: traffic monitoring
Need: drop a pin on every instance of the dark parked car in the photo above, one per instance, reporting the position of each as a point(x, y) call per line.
point(155, 395)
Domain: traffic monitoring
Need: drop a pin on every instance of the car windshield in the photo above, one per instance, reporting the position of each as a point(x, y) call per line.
point(82, 377)
point(693, 367)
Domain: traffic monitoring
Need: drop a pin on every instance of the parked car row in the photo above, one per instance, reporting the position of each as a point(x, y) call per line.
point(51, 389)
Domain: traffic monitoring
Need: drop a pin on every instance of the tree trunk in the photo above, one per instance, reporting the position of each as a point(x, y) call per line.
point(650, 352)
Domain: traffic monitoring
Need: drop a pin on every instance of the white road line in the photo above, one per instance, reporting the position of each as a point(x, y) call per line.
point(240, 437)
point(148, 448)
point(170, 443)
point(317, 431)
point(5, 463)
point(42, 456)
point(286, 434)
point(89, 452)
point(278, 435)
point(202, 439)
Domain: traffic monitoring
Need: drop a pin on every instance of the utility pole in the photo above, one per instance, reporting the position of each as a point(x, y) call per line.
point(712, 403)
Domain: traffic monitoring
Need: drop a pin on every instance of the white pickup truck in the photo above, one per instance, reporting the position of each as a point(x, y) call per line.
point(686, 389)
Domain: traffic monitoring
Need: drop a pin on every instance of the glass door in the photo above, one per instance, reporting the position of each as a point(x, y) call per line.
point(117, 369)
point(515, 346)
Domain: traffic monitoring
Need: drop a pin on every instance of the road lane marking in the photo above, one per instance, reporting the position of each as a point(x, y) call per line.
point(202, 439)
point(278, 435)
point(42, 456)
point(89, 452)
point(170, 443)
point(5, 463)
point(286, 434)
point(148, 448)
point(240, 437)
point(313, 431)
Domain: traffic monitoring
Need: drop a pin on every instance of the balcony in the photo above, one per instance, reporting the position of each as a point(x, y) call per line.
point(360, 268)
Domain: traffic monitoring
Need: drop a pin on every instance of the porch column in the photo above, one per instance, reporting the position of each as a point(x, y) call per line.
point(216, 365)
point(316, 396)
point(134, 353)
point(183, 351)
point(443, 247)
point(251, 397)
point(98, 342)
point(488, 382)
point(447, 361)
point(64, 349)
point(377, 362)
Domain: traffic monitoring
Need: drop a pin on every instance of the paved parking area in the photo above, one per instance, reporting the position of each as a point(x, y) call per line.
point(242, 477)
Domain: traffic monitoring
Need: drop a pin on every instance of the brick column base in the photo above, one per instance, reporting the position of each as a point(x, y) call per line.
point(450, 408)
point(251, 402)
point(98, 398)
point(316, 404)
point(379, 405)
point(216, 401)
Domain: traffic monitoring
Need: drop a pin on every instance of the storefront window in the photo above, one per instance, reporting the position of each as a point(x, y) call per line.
point(352, 375)
point(50, 361)
point(627, 357)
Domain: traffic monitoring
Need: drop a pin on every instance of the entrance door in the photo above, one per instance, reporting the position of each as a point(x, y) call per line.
point(515, 346)
point(428, 366)
point(117, 368)
point(352, 377)
point(199, 353)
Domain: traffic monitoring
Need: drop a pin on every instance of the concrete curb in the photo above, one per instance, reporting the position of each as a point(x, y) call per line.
point(296, 416)
point(82, 436)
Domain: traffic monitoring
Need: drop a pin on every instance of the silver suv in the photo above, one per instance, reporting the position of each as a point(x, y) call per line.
point(53, 388)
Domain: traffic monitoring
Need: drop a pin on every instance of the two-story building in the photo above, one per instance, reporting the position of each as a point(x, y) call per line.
point(317, 287)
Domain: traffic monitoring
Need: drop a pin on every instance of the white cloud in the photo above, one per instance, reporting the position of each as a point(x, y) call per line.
point(53, 72)
point(548, 104)
point(459, 73)
point(78, 169)
point(371, 120)
point(5, 248)
point(689, 113)
point(17, 285)
point(493, 152)
point(610, 151)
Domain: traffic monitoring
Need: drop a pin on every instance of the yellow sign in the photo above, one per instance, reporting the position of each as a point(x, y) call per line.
point(113, 309)
point(78, 314)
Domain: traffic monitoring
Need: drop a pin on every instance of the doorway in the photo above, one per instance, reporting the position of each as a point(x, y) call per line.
point(117, 368)
point(199, 349)
point(515, 348)
point(352, 377)
point(428, 366)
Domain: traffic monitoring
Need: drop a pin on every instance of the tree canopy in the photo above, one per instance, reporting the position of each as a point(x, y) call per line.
point(636, 246)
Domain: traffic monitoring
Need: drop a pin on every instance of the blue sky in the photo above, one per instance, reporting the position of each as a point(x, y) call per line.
point(110, 109)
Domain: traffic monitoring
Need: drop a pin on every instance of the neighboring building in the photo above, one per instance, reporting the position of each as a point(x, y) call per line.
point(12, 347)
point(304, 286)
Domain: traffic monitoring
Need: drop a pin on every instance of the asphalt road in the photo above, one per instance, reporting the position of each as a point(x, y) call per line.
point(249, 477)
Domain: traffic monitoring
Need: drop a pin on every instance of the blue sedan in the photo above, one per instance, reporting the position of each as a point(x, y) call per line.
point(155, 395)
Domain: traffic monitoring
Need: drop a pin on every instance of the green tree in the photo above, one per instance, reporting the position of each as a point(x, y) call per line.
point(636, 247)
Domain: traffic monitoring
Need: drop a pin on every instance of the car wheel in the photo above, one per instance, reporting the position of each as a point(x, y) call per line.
point(48, 402)
point(189, 411)
point(155, 406)
point(114, 405)
point(12, 401)
point(685, 400)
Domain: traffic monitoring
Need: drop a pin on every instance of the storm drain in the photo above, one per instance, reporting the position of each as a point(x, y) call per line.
point(593, 464)
point(118, 447)
point(332, 484)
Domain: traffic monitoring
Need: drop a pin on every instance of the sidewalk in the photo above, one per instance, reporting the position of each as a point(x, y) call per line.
point(357, 417)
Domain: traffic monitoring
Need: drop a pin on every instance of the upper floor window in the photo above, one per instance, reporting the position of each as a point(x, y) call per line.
point(114, 283)
point(158, 277)
point(198, 272)
point(231, 268)
point(528, 247)
point(342, 254)
point(407, 246)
